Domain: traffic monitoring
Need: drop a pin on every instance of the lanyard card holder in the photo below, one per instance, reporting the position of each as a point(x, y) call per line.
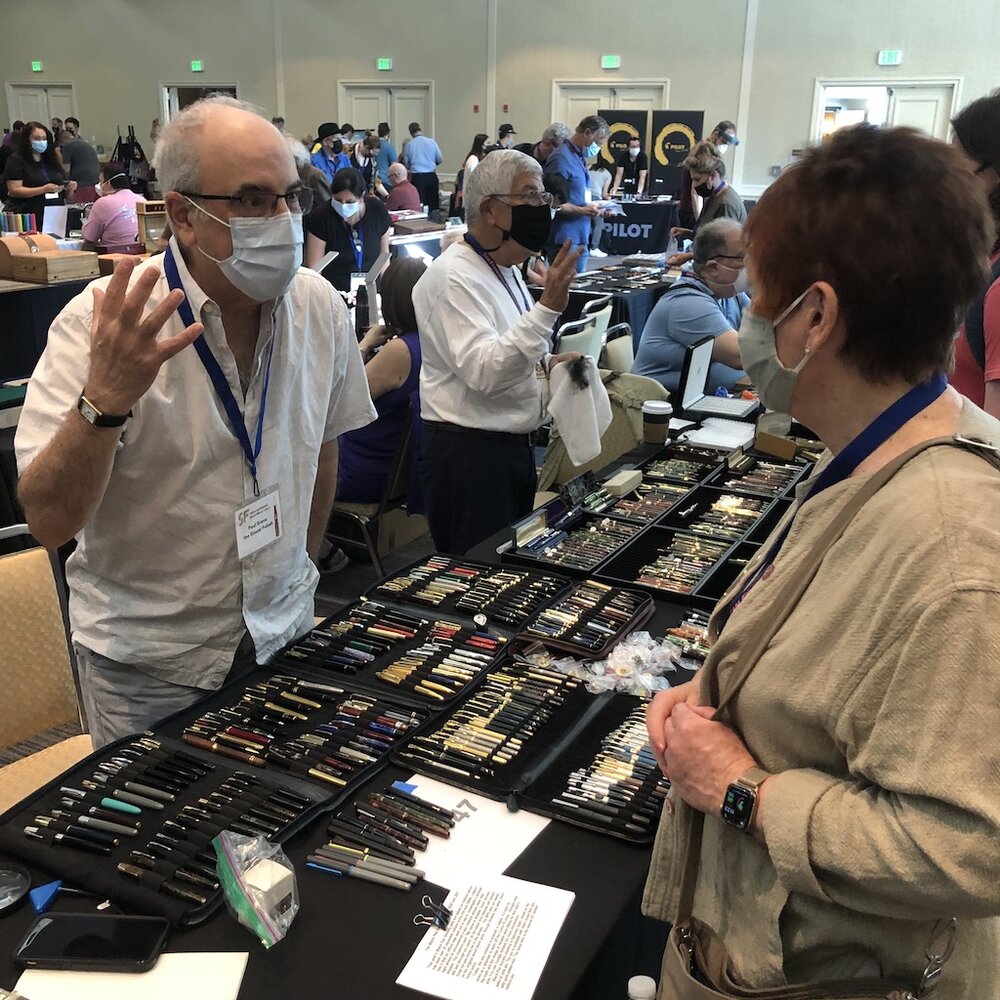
point(504, 596)
point(393, 650)
point(328, 733)
point(591, 619)
point(134, 823)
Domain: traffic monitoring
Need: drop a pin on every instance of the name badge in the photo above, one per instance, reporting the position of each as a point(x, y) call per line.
point(588, 196)
point(51, 195)
point(258, 524)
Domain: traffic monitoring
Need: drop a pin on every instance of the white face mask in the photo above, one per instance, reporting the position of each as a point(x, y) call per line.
point(346, 210)
point(266, 254)
point(758, 349)
point(633, 152)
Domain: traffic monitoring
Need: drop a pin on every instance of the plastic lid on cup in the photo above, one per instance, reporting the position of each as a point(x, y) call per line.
point(657, 408)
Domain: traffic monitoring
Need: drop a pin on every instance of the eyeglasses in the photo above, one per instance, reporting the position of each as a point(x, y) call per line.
point(259, 202)
point(728, 256)
point(531, 197)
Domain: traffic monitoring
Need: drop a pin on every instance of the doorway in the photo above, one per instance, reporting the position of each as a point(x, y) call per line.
point(175, 97)
point(573, 100)
point(32, 102)
point(927, 105)
point(364, 104)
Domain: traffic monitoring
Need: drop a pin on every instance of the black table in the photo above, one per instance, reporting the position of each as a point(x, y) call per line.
point(26, 313)
point(351, 939)
point(645, 228)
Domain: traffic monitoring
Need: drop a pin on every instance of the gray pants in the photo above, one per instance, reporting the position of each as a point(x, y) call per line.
point(120, 700)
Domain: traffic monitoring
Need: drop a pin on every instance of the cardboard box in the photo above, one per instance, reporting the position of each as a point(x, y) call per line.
point(50, 266)
point(398, 529)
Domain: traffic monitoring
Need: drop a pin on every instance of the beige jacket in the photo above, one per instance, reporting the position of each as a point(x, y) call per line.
point(877, 708)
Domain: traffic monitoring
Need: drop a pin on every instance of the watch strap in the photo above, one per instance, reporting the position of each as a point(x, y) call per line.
point(753, 778)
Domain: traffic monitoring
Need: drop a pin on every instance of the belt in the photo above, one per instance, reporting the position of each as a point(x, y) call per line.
point(442, 425)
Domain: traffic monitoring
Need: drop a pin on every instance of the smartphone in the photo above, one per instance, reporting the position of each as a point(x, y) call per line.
point(93, 942)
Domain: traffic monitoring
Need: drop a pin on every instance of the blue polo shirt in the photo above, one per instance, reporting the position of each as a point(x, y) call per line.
point(421, 155)
point(321, 161)
point(567, 161)
point(683, 316)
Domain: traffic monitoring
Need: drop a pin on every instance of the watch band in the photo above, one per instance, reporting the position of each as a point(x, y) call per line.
point(753, 778)
point(94, 416)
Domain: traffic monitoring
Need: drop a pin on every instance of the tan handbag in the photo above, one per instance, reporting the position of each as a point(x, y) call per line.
point(696, 963)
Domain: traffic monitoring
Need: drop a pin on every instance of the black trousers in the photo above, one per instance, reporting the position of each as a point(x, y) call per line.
point(429, 189)
point(475, 483)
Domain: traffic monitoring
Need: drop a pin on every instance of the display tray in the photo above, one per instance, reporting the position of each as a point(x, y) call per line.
point(325, 731)
point(763, 528)
point(682, 463)
point(178, 800)
point(427, 655)
point(769, 477)
point(711, 589)
point(718, 514)
point(685, 559)
point(650, 503)
point(576, 545)
point(505, 596)
point(589, 620)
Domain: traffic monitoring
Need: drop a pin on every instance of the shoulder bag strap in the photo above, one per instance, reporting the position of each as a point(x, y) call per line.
point(783, 602)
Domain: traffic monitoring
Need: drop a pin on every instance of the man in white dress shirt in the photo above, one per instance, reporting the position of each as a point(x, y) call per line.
point(485, 354)
point(182, 425)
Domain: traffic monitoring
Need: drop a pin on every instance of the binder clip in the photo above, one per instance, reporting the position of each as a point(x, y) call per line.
point(439, 916)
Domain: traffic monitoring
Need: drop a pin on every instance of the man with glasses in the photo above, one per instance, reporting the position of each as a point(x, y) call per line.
point(707, 301)
point(182, 425)
point(485, 354)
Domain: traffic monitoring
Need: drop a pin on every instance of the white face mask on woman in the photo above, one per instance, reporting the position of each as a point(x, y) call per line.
point(266, 253)
point(759, 351)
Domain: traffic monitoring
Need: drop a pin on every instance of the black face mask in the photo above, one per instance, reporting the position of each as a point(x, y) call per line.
point(338, 146)
point(703, 189)
point(529, 226)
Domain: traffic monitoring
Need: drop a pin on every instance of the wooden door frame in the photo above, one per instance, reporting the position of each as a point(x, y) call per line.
point(11, 86)
point(387, 84)
point(822, 82)
point(602, 81)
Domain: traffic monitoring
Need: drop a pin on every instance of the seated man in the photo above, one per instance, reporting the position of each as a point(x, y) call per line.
point(113, 221)
point(144, 435)
point(402, 194)
point(707, 301)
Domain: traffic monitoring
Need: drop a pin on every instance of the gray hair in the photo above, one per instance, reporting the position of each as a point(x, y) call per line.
point(713, 240)
point(173, 159)
point(496, 174)
point(557, 133)
point(299, 152)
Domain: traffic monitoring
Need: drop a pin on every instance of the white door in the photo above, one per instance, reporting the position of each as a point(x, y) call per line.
point(410, 104)
point(577, 101)
point(638, 98)
point(39, 102)
point(925, 108)
point(365, 107)
point(573, 100)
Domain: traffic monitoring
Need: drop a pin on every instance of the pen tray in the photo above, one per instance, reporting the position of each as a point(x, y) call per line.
point(673, 494)
point(98, 874)
point(700, 463)
point(504, 596)
point(421, 645)
point(634, 781)
point(335, 747)
point(789, 475)
point(693, 515)
point(613, 607)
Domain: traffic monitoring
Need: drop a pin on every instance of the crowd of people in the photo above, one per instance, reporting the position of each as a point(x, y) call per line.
point(835, 703)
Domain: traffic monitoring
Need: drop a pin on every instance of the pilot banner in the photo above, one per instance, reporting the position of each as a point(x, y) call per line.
point(674, 133)
point(623, 125)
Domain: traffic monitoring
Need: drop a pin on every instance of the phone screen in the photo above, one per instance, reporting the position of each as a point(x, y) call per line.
point(93, 941)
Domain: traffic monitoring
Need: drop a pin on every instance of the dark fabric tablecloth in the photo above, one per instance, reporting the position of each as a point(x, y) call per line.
point(645, 228)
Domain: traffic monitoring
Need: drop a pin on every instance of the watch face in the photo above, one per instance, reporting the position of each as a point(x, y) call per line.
point(88, 411)
point(737, 807)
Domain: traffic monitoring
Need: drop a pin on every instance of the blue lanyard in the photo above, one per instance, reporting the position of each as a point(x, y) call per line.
point(492, 264)
point(844, 463)
point(219, 380)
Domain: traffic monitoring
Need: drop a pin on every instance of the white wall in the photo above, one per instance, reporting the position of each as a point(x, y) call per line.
point(119, 52)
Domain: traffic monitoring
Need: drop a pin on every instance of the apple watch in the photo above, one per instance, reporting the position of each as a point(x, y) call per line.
point(740, 801)
point(94, 416)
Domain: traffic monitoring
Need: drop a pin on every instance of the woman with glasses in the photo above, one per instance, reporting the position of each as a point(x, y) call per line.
point(354, 226)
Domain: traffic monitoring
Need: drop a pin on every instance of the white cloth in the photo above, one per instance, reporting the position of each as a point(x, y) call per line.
point(581, 415)
point(472, 161)
point(155, 580)
point(481, 347)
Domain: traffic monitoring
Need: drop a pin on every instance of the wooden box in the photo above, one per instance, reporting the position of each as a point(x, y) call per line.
point(55, 265)
point(152, 219)
point(14, 247)
point(109, 261)
point(416, 226)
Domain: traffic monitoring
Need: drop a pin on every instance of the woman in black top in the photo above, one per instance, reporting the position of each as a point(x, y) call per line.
point(355, 226)
point(34, 175)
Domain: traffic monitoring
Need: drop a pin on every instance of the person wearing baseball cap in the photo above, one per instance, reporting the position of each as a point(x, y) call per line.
point(722, 137)
point(504, 140)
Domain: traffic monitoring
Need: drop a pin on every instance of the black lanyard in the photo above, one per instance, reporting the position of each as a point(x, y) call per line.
point(492, 264)
point(845, 462)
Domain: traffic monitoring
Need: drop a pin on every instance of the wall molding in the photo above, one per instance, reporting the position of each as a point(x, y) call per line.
point(743, 101)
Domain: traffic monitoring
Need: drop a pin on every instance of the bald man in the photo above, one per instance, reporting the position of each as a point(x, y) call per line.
point(403, 196)
point(182, 425)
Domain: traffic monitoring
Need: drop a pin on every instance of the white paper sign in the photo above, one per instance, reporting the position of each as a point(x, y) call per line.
point(54, 219)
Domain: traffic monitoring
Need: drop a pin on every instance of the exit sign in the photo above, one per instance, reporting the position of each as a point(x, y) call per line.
point(611, 62)
point(384, 64)
point(197, 66)
point(36, 66)
point(890, 57)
